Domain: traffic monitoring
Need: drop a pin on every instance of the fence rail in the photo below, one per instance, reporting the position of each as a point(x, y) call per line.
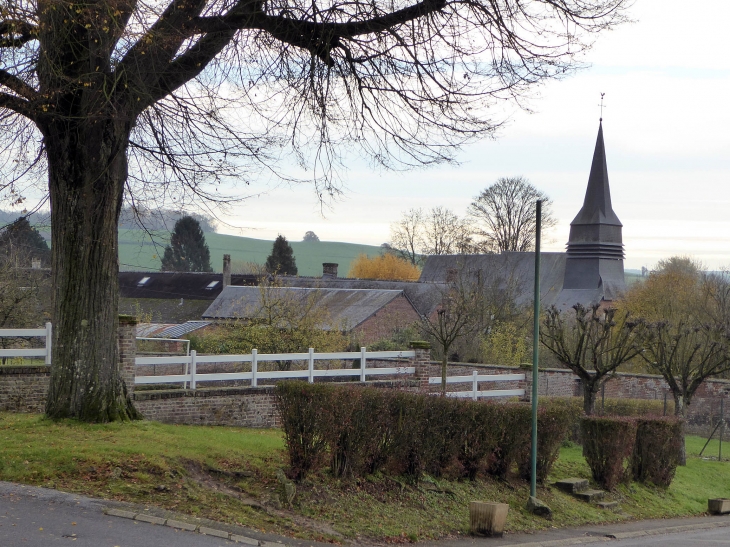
point(44, 352)
point(193, 360)
point(475, 378)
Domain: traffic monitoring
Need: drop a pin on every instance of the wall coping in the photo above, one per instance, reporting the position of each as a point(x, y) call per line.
point(25, 369)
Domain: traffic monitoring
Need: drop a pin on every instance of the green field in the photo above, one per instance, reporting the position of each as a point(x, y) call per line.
point(139, 251)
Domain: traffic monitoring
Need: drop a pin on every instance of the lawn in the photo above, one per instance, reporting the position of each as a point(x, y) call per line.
point(230, 475)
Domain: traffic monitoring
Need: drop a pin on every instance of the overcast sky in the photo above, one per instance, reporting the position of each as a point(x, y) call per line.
point(666, 78)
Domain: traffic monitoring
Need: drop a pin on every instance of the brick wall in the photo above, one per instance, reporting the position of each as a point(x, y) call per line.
point(237, 406)
point(397, 314)
point(23, 389)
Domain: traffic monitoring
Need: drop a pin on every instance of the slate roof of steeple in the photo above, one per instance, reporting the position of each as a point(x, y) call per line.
point(597, 203)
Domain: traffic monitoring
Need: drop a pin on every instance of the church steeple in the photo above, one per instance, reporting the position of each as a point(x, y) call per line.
point(597, 203)
point(595, 250)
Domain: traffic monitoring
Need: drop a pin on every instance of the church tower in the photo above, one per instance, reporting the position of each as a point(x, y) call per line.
point(595, 254)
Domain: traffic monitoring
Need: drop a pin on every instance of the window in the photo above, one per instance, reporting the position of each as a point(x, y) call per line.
point(142, 281)
point(211, 285)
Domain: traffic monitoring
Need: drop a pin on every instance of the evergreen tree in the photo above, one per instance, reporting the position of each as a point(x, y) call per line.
point(187, 251)
point(21, 243)
point(281, 260)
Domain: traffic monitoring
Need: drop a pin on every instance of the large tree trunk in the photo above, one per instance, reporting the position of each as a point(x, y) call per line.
point(87, 167)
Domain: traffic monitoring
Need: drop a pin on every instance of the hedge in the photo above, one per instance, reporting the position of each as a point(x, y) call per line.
point(608, 443)
point(657, 450)
point(364, 429)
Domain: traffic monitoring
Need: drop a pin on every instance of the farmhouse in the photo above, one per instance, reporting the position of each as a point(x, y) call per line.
point(370, 314)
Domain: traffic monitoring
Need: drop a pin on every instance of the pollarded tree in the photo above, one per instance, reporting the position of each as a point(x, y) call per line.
point(281, 261)
point(187, 251)
point(505, 215)
point(115, 98)
point(593, 344)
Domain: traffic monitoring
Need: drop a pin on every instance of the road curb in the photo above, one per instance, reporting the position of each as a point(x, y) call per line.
point(196, 528)
point(585, 540)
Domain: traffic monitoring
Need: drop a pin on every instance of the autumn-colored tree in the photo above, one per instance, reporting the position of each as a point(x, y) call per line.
point(385, 266)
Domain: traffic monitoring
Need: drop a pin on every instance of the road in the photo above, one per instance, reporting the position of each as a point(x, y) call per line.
point(34, 517)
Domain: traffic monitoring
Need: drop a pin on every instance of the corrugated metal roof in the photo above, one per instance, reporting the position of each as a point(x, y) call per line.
point(177, 331)
point(425, 297)
point(347, 308)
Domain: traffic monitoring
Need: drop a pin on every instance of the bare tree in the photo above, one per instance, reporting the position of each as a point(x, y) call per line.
point(119, 99)
point(470, 304)
point(505, 215)
point(436, 232)
point(444, 233)
point(593, 344)
point(406, 235)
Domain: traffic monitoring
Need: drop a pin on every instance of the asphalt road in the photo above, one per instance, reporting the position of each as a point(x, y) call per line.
point(717, 537)
point(40, 518)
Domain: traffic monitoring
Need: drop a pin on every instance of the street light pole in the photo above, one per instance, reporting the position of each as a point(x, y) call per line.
point(535, 350)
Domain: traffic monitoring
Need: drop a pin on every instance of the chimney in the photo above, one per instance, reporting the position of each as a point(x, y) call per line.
point(36, 263)
point(226, 270)
point(329, 270)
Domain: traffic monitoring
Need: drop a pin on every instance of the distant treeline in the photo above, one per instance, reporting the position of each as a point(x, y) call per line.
point(150, 219)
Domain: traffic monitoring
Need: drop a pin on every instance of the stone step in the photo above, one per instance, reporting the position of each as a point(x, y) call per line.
point(572, 485)
point(608, 505)
point(590, 496)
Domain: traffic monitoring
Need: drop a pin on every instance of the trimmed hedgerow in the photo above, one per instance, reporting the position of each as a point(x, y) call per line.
point(608, 443)
point(515, 425)
point(479, 436)
point(657, 450)
point(304, 424)
point(553, 424)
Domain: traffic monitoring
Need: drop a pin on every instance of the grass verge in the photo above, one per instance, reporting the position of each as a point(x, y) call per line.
point(230, 475)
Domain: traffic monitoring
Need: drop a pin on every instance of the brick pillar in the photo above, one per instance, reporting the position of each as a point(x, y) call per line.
point(422, 363)
point(127, 342)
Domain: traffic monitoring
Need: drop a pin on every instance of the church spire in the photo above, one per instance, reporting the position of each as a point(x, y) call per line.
point(597, 203)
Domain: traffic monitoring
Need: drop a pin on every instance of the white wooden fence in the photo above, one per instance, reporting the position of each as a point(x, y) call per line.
point(475, 378)
point(44, 352)
point(192, 361)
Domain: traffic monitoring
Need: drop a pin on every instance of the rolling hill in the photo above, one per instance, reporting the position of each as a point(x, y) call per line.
point(139, 251)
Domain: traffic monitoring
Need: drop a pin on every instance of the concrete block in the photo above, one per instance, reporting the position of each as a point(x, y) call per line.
point(488, 518)
point(213, 532)
point(245, 540)
point(151, 519)
point(181, 525)
point(120, 513)
point(718, 506)
point(572, 485)
point(590, 496)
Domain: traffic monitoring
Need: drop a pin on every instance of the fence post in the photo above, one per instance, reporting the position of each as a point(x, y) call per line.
point(49, 341)
point(254, 368)
point(422, 363)
point(363, 364)
point(127, 344)
point(193, 368)
point(311, 365)
point(474, 385)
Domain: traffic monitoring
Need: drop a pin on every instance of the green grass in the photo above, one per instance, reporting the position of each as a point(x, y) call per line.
point(137, 251)
point(229, 474)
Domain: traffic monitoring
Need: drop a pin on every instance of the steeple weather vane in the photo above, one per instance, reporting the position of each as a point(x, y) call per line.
point(601, 105)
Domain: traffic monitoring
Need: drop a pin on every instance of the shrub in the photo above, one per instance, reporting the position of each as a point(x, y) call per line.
point(553, 426)
point(608, 443)
point(514, 421)
point(304, 424)
point(657, 450)
point(479, 436)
